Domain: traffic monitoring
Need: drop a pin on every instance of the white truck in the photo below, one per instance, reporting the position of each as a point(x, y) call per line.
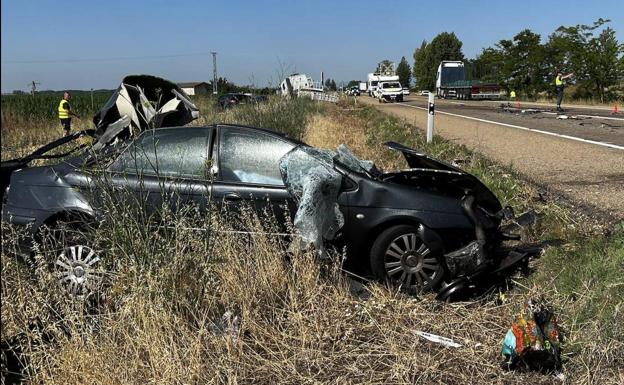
point(362, 87)
point(296, 83)
point(391, 91)
point(302, 85)
point(451, 83)
point(375, 78)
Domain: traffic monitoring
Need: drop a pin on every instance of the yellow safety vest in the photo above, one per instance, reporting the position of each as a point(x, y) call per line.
point(63, 113)
point(513, 94)
point(558, 81)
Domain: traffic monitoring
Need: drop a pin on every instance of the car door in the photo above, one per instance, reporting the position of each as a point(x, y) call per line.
point(247, 176)
point(164, 168)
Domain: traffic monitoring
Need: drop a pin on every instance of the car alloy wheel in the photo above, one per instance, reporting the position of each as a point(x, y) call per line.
point(402, 258)
point(78, 269)
point(409, 261)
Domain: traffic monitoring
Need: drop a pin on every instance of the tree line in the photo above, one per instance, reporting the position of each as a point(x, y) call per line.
point(528, 65)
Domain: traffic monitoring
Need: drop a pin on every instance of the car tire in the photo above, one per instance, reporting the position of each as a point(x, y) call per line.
point(72, 258)
point(401, 257)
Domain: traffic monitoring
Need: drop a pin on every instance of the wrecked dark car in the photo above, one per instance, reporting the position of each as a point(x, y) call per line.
point(416, 228)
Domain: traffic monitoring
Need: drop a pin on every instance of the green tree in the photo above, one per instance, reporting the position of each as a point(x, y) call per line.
point(353, 83)
point(404, 72)
point(330, 84)
point(420, 70)
point(427, 58)
point(595, 58)
point(518, 64)
point(527, 56)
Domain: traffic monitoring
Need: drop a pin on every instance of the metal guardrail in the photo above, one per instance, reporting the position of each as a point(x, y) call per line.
point(325, 97)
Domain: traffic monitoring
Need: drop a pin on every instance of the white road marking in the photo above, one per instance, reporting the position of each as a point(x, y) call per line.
point(610, 145)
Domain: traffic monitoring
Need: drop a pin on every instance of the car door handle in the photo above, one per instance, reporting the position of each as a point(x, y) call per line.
point(232, 197)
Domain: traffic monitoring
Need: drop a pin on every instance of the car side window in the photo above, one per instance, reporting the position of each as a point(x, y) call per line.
point(250, 156)
point(179, 152)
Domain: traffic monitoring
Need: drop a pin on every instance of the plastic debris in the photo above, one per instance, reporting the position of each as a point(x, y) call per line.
point(533, 341)
point(230, 325)
point(439, 339)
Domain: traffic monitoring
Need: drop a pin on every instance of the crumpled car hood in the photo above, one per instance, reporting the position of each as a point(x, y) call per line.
point(446, 177)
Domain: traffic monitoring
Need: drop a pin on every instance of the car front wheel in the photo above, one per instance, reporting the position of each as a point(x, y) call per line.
point(401, 257)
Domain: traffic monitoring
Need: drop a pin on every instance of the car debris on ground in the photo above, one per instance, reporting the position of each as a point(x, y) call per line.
point(439, 339)
point(533, 343)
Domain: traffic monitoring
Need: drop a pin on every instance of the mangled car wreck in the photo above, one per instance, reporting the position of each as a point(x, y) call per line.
point(417, 228)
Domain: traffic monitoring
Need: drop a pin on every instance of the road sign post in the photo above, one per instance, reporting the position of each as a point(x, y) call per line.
point(430, 117)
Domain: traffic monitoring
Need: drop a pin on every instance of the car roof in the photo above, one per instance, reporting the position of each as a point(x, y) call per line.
point(213, 126)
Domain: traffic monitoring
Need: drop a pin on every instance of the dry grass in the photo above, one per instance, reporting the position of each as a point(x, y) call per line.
point(300, 322)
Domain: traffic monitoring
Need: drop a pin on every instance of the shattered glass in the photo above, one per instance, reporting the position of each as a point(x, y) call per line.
point(250, 157)
point(310, 177)
point(348, 158)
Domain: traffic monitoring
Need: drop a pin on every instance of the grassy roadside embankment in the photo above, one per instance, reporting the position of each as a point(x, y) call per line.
point(162, 318)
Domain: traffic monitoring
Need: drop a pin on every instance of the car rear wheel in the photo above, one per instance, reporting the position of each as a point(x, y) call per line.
point(401, 257)
point(73, 259)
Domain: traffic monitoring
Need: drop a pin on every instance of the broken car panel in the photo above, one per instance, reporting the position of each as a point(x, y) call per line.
point(139, 103)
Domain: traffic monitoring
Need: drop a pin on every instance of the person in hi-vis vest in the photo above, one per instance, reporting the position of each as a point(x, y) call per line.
point(65, 112)
point(559, 86)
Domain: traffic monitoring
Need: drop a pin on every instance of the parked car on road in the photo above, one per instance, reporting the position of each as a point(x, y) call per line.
point(423, 93)
point(414, 228)
point(406, 91)
point(353, 91)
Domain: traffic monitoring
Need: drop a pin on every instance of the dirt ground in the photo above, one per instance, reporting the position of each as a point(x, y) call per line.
point(590, 176)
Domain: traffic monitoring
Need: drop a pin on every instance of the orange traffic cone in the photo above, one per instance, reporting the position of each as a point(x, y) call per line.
point(615, 107)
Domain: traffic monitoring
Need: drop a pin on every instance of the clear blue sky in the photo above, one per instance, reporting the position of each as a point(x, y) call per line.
point(56, 42)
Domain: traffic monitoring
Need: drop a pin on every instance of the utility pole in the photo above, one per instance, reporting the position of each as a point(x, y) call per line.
point(33, 87)
point(214, 73)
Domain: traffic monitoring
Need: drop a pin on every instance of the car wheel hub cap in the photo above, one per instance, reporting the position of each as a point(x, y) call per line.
point(408, 261)
point(77, 268)
point(411, 261)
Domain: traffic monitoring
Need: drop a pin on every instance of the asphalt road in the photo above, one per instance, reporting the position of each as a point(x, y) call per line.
point(584, 122)
point(584, 163)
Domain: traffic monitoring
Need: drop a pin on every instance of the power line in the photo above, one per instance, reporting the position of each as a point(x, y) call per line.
point(77, 60)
